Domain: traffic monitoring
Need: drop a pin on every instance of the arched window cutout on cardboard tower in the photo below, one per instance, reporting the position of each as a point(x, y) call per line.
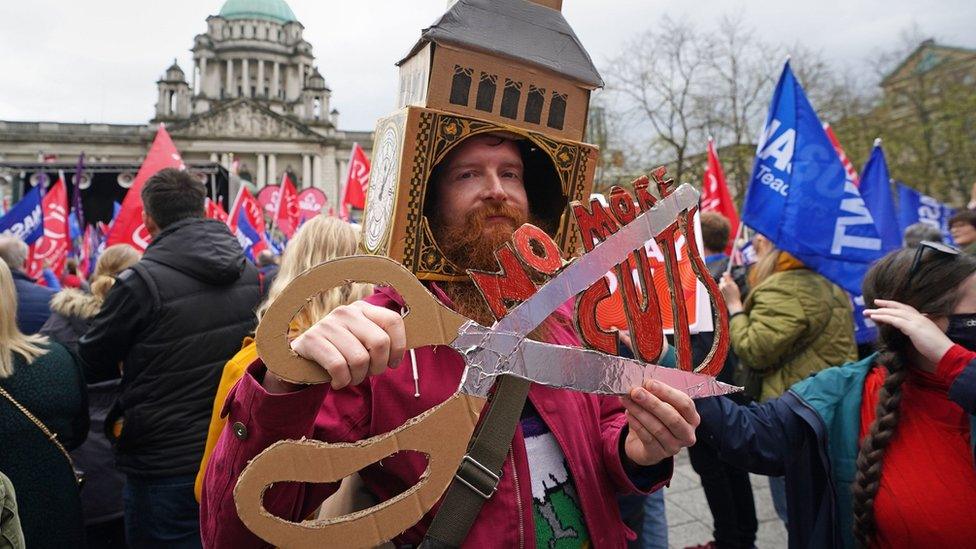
point(461, 85)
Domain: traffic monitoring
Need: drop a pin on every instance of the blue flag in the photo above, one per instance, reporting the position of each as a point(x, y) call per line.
point(800, 196)
point(26, 219)
point(865, 331)
point(74, 227)
point(247, 235)
point(275, 246)
point(915, 207)
point(876, 191)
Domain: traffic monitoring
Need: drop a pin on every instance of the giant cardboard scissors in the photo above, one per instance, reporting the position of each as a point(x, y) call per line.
point(442, 433)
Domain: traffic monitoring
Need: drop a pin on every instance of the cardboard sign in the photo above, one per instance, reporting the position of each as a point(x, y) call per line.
point(610, 311)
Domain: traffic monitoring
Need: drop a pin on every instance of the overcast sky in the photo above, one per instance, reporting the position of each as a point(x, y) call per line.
point(98, 60)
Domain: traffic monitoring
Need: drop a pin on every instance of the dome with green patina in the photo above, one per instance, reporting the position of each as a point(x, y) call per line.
point(271, 10)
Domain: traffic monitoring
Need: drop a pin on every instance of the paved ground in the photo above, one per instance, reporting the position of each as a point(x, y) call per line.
point(690, 521)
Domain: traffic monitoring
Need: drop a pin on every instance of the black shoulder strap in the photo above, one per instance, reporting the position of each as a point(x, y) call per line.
point(480, 470)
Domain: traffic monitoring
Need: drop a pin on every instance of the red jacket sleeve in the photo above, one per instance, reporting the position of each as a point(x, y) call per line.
point(255, 420)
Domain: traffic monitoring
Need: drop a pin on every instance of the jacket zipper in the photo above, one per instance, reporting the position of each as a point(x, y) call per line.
point(518, 499)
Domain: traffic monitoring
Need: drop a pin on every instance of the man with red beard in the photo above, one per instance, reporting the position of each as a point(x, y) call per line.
point(571, 454)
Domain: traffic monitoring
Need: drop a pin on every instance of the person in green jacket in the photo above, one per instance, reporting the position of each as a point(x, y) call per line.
point(794, 323)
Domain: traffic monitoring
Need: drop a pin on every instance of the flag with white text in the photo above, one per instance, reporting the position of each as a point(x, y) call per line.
point(800, 197)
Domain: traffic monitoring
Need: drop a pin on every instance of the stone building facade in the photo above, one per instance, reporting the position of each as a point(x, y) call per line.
point(254, 103)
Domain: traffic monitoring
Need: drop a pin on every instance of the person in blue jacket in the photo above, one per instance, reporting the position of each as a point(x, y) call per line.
point(877, 453)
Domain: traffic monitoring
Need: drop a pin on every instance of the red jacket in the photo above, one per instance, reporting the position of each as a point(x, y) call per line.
point(588, 428)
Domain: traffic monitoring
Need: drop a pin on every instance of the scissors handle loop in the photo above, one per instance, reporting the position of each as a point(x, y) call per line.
point(427, 322)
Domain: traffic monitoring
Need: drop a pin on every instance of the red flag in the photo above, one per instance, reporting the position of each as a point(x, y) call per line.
point(53, 247)
point(127, 227)
point(356, 182)
point(214, 211)
point(715, 195)
point(849, 169)
point(287, 214)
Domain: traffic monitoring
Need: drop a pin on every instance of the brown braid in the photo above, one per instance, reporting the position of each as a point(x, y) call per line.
point(871, 456)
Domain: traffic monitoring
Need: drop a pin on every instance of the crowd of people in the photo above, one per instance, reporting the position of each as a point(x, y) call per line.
point(131, 401)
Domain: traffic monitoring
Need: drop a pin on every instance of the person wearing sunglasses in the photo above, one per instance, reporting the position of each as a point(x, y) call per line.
point(877, 453)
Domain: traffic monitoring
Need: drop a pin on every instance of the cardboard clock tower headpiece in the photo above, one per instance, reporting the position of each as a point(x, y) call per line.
point(486, 66)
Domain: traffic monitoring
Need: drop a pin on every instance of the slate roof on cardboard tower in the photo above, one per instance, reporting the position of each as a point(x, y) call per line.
point(517, 29)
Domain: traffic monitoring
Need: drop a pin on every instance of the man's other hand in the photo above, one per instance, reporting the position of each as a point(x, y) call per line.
point(661, 421)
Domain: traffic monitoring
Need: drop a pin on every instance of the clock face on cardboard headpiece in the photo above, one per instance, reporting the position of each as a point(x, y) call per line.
point(409, 145)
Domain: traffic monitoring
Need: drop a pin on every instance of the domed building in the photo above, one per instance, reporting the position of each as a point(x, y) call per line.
point(253, 103)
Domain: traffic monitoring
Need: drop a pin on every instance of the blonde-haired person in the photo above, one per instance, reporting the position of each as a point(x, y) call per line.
point(47, 383)
point(318, 240)
point(72, 308)
point(71, 312)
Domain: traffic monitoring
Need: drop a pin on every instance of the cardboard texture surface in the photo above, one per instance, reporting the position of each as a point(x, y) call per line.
point(407, 147)
point(530, 33)
point(479, 85)
point(443, 438)
point(427, 322)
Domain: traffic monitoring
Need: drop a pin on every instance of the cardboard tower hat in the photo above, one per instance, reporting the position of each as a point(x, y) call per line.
point(486, 66)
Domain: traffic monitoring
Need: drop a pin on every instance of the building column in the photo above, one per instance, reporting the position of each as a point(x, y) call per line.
point(330, 175)
point(229, 87)
point(245, 79)
point(317, 171)
point(306, 170)
point(204, 88)
point(272, 169)
point(262, 172)
point(275, 77)
point(262, 91)
point(193, 75)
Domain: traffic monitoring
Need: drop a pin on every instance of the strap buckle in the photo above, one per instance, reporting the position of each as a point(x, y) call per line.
point(477, 477)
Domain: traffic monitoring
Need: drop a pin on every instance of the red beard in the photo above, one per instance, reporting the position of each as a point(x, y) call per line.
point(472, 246)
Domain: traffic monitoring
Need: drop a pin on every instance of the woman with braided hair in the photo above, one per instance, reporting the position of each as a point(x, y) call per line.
point(877, 453)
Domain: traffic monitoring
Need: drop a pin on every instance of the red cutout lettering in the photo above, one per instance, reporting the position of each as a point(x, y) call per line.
point(509, 284)
point(594, 223)
point(549, 262)
point(642, 309)
point(589, 330)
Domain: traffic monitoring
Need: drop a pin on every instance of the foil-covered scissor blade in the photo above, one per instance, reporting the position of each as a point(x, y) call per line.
point(491, 354)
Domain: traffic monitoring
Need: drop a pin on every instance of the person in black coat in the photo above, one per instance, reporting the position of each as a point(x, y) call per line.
point(71, 314)
point(42, 378)
point(33, 300)
point(172, 321)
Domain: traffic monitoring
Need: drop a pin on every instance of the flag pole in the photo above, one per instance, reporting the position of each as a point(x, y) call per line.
point(735, 244)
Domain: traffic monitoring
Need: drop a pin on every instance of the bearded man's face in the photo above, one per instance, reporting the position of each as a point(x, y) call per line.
point(480, 201)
